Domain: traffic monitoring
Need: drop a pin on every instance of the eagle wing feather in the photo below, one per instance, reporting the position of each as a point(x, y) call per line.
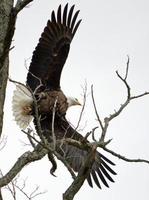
point(52, 50)
point(101, 171)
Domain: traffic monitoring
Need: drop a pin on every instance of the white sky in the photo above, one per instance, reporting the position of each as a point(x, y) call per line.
point(110, 30)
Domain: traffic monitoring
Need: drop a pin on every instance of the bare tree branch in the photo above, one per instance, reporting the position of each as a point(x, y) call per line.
point(17, 83)
point(7, 27)
point(83, 106)
point(44, 147)
point(30, 137)
point(96, 112)
point(13, 186)
point(53, 119)
point(140, 95)
point(51, 150)
point(125, 158)
point(1, 197)
point(123, 105)
point(12, 189)
point(28, 157)
point(40, 81)
point(20, 5)
point(63, 160)
point(33, 138)
point(82, 175)
point(92, 132)
point(36, 116)
point(30, 196)
point(3, 141)
point(127, 68)
point(129, 96)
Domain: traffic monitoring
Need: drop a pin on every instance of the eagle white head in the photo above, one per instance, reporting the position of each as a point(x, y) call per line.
point(73, 101)
point(22, 105)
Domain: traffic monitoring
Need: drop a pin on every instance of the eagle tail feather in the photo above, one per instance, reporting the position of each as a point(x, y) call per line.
point(22, 106)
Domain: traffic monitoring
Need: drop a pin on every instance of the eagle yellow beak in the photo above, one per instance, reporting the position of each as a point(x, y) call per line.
point(79, 104)
point(73, 102)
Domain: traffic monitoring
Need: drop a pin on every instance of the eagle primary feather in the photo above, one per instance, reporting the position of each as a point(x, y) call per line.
point(52, 50)
point(43, 79)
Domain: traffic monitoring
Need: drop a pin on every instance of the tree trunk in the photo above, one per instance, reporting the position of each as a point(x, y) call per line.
point(7, 24)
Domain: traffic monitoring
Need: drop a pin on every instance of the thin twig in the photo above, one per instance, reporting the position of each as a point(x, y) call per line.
point(29, 196)
point(124, 80)
point(53, 119)
point(11, 187)
point(127, 68)
point(140, 95)
point(37, 119)
point(3, 142)
point(22, 161)
point(31, 138)
point(83, 106)
point(48, 147)
point(63, 160)
point(125, 158)
point(129, 97)
point(36, 77)
point(18, 83)
point(96, 112)
point(93, 133)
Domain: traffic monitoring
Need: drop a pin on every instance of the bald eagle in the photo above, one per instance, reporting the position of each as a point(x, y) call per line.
point(43, 79)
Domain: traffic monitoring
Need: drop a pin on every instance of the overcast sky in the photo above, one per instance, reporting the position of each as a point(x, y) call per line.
point(110, 30)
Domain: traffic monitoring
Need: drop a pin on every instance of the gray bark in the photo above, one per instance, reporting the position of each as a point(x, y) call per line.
point(7, 23)
point(1, 198)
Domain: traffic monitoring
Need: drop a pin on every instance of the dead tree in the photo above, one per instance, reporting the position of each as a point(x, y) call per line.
point(8, 15)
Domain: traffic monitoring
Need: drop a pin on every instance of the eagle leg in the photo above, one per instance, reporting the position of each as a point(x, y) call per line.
point(54, 164)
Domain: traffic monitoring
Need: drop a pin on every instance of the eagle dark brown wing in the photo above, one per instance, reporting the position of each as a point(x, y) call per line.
point(101, 170)
point(52, 50)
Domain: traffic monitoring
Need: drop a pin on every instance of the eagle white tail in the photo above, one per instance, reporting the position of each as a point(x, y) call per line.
point(22, 106)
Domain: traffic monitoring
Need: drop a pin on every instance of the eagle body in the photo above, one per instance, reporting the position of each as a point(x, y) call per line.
point(52, 101)
point(43, 81)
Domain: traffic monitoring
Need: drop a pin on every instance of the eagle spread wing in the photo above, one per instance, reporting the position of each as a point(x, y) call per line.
point(101, 169)
point(46, 66)
point(52, 50)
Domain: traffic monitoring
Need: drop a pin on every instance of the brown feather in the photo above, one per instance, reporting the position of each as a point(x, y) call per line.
point(65, 14)
point(52, 50)
point(47, 63)
point(52, 99)
point(74, 156)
